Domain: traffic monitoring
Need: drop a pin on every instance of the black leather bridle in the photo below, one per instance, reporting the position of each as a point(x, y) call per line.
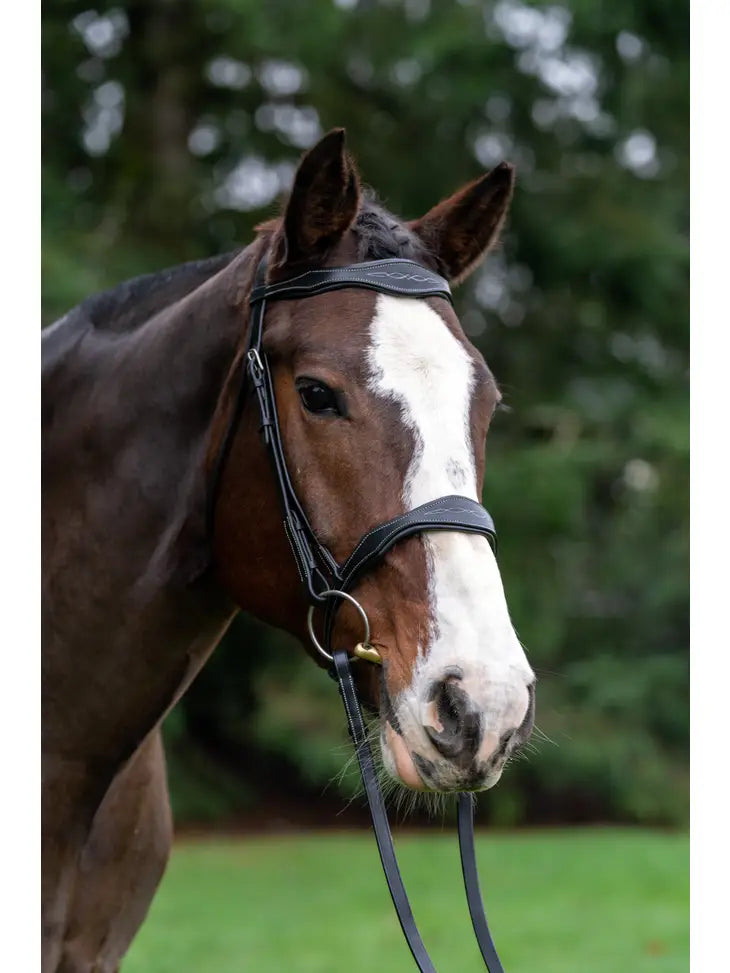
point(328, 582)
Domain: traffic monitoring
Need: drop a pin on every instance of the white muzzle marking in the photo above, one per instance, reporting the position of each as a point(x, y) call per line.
point(416, 361)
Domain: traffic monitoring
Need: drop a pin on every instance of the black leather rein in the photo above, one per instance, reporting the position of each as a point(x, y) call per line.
point(327, 581)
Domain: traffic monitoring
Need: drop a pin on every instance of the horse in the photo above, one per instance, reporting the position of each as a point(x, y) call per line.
point(383, 405)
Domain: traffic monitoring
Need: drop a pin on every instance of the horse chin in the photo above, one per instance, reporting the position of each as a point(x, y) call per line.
point(490, 780)
point(398, 760)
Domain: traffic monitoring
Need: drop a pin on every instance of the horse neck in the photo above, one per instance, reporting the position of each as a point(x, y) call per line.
point(188, 354)
point(185, 351)
point(125, 539)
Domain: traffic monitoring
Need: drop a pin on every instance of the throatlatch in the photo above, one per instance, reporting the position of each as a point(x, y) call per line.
point(328, 582)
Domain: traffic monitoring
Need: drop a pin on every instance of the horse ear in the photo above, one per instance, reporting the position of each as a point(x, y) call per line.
point(464, 227)
point(323, 202)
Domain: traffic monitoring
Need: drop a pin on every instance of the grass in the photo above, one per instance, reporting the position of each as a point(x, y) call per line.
point(590, 901)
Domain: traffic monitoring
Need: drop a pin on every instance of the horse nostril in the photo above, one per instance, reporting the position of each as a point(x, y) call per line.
point(514, 738)
point(457, 729)
point(449, 708)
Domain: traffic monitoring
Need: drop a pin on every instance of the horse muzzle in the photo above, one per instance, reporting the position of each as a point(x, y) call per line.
point(456, 744)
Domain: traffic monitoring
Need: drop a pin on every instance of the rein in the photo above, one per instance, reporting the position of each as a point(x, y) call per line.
point(328, 583)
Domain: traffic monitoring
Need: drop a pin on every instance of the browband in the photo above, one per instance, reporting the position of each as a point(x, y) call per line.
point(404, 278)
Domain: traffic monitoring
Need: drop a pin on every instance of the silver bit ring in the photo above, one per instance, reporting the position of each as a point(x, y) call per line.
point(333, 593)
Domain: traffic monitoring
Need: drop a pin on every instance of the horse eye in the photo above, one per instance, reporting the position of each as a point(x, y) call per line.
point(318, 397)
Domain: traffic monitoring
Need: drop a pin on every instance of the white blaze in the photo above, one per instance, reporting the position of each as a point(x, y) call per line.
point(416, 361)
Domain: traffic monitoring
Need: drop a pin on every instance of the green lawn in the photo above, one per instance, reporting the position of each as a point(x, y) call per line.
point(589, 901)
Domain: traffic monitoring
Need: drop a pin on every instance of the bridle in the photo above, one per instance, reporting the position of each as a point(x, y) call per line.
point(328, 583)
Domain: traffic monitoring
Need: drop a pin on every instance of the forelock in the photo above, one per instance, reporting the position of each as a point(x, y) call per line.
point(381, 235)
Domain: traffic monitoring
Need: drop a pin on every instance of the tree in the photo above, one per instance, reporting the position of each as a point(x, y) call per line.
point(170, 129)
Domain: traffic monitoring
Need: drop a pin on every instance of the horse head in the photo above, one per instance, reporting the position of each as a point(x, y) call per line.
point(383, 405)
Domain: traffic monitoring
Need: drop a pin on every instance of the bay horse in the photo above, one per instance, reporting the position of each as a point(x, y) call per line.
point(383, 405)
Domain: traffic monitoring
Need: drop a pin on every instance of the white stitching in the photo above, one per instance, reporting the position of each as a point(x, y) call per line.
point(351, 274)
point(356, 735)
point(363, 563)
point(290, 537)
point(431, 505)
point(436, 291)
point(384, 545)
point(401, 517)
point(368, 264)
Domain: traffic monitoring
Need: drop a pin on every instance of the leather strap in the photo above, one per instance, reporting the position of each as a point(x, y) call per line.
point(446, 513)
point(317, 568)
point(383, 837)
point(404, 278)
point(471, 884)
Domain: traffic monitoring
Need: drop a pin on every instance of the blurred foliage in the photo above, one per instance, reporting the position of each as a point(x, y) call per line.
point(169, 131)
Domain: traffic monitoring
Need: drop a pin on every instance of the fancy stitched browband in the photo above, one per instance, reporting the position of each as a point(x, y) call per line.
point(328, 582)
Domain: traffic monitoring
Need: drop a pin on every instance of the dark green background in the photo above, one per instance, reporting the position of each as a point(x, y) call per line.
point(147, 110)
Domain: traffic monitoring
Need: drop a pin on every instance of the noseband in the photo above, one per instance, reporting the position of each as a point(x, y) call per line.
point(328, 583)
